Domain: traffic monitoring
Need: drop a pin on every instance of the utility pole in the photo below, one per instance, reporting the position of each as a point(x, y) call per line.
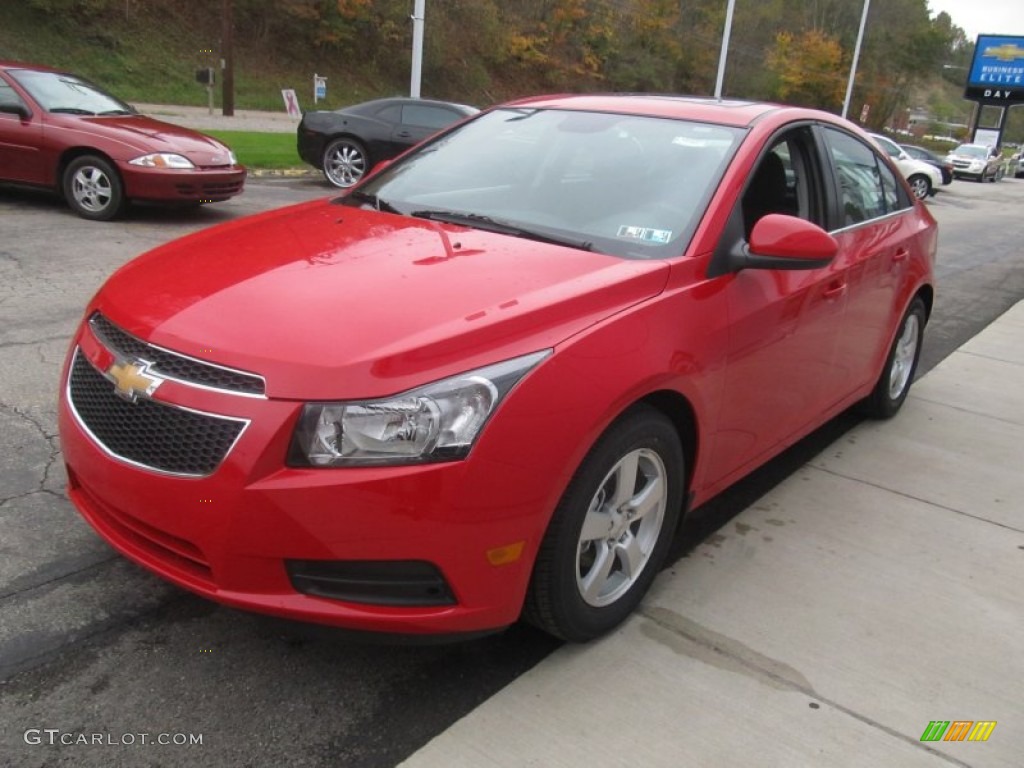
point(227, 64)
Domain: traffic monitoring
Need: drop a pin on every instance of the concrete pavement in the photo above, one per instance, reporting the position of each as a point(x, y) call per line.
point(200, 118)
point(876, 590)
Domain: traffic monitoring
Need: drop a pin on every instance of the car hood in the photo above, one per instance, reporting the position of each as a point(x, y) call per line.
point(333, 302)
point(138, 134)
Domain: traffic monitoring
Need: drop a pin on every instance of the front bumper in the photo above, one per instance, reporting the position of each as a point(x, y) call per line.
point(235, 534)
point(198, 185)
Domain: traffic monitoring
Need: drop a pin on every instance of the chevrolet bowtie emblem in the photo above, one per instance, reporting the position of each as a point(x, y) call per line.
point(1005, 52)
point(131, 380)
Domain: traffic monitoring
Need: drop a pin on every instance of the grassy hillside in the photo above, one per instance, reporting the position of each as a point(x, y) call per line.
point(150, 55)
point(149, 50)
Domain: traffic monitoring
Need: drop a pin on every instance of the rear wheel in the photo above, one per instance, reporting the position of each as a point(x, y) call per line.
point(345, 162)
point(611, 530)
point(898, 374)
point(920, 185)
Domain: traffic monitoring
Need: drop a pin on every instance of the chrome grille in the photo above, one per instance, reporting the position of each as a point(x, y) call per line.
point(172, 365)
point(148, 433)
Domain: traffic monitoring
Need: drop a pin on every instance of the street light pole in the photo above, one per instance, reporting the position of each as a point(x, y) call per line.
point(726, 33)
point(856, 57)
point(227, 60)
point(418, 17)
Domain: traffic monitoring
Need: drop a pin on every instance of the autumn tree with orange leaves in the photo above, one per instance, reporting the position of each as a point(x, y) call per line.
point(810, 68)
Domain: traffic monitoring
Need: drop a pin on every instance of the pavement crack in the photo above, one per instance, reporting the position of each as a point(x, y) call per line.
point(43, 585)
point(52, 440)
point(668, 627)
point(34, 342)
point(991, 357)
point(8, 256)
point(18, 497)
point(912, 497)
point(961, 409)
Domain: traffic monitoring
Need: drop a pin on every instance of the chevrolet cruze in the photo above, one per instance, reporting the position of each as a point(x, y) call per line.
point(487, 382)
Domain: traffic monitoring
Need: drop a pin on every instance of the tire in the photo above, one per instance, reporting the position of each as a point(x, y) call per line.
point(345, 161)
point(921, 186)
point(604, 547)
point(93, 188)
point(900, 365)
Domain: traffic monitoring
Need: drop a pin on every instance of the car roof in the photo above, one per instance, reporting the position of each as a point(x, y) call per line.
point(372, 106)
point(6, 65)
point(702, 109)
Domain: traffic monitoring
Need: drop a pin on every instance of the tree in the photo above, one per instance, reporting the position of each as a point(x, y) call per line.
point(809, 69)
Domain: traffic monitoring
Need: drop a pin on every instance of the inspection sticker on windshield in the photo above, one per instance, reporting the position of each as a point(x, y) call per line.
point(646, 234)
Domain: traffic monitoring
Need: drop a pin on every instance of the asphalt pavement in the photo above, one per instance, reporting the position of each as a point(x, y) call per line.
point(875, 591)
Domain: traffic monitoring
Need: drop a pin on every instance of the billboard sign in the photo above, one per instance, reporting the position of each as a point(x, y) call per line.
point(997, 72)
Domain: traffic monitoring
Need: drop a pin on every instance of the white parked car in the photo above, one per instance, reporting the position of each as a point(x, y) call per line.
point(924, 179)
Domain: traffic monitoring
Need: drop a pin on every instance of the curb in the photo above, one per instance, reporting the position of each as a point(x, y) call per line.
point(291, 173)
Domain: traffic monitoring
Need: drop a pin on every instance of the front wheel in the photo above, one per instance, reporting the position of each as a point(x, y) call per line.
point(611, 530)
point(345, 162)
point(898, 374)
point(93, 189)
point(921, 186)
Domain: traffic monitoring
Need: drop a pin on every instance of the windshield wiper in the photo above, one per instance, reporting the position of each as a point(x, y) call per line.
point(479, 221)
point(368, 197)
point(71, 111)
point(116, 112)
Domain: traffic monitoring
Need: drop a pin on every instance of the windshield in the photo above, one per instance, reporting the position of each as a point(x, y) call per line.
point(626, 185)
point(972, 150)
point(69, 94)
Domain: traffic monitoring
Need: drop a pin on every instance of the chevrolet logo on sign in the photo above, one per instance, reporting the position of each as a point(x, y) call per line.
point(1005, 52)
point(131, 380)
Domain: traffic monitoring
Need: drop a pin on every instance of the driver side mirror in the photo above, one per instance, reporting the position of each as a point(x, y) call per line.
point(778, 241)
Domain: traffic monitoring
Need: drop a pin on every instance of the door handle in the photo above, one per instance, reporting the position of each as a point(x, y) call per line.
point(900, 255)
point(835, 290)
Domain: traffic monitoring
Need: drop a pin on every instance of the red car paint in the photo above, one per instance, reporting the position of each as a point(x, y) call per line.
point(333, 303)
point(35, 148)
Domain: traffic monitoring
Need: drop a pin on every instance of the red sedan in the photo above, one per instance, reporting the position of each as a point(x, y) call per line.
point(60, 132)
point(486, 383)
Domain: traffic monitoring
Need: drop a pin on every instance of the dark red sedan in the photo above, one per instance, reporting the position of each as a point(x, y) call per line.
point(62, 133)
point(487, 382)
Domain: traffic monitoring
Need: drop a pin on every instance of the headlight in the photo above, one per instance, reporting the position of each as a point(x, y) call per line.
point(977, 165)
point(232, 160)
point(438, 422)
point(162, 160)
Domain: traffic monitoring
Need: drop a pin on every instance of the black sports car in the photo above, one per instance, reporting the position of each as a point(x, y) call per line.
point(348, 142)
point(920, 153)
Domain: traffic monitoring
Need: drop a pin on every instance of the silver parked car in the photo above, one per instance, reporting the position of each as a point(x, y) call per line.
point(977, 161)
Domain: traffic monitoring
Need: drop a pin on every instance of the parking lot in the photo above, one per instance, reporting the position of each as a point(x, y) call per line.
point(914, 615)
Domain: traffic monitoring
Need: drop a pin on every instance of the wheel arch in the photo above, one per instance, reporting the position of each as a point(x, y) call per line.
point(680, 411)
point(927, 294)
point(71, 154)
